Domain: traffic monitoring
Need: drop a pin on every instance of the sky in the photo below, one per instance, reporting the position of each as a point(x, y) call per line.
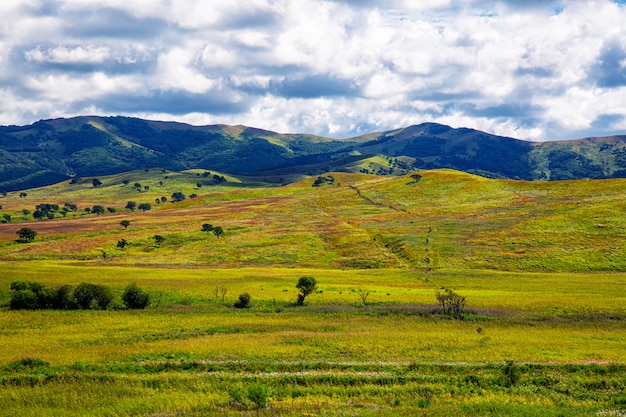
point(529, 69)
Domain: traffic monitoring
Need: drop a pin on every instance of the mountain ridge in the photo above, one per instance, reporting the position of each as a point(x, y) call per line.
point(53, 150)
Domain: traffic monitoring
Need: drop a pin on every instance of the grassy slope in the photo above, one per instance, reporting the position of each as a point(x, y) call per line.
point(541, 263)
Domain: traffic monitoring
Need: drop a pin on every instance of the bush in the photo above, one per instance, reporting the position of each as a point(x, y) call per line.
point(244, 301)
point(31, 296)
point(92, 296)
point(135, 298)
point(259, 395)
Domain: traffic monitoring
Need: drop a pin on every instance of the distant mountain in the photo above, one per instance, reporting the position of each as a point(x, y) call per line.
point(49, 151)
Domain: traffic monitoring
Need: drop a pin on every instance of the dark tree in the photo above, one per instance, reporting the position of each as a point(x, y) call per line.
point(26, 234)
point(158, 239)
point(178, 196)
point(96, 182)
point(207, 227)
point(97, 210)
point(122, 243)
point(144, 206)
point(307, 286)
point(131, 205)
point(135, 298)
point(125, 223)
point(92, 296)
point(218, 231)
point(243, 301)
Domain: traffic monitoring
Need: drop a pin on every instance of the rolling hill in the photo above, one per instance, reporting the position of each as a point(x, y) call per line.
point(50, 151)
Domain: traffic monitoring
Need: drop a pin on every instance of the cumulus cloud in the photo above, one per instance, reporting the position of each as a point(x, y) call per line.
point(533, 69)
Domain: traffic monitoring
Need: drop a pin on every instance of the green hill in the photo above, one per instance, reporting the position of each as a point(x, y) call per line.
point(434, 219)
point(50, 151)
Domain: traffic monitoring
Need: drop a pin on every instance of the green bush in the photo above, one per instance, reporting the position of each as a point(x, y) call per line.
point(92, 296)
point(244, 301)
point(135, 298)
point(259, 394)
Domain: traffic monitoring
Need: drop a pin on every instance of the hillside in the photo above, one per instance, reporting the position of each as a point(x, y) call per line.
point(50, 151)
point(434, 219)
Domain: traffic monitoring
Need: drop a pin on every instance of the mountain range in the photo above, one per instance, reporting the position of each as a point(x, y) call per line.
point(50, 151)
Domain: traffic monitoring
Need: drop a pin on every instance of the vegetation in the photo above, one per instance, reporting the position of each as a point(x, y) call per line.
point(26, 234)
point(306, 286)
point(530, 271)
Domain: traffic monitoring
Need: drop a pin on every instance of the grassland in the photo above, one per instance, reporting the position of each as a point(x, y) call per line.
point(542, 266)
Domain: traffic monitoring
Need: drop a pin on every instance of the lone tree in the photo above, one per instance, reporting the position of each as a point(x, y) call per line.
point(207, 227)
point(144, 206)
point(307, 286)
point(451, 303)
point(135, 298)
point(96, 182)
point(125, 223)
point(131, 205)
point(26, 234)
point(158, 239)
point(122, 243)
point(218, 231)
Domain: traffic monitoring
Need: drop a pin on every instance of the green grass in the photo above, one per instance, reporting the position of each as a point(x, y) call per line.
point(542, 267)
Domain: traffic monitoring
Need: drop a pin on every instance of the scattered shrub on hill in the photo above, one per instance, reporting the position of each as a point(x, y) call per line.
point(125, 223)
point(158, 239)
point(307, 286)
point(131, 205)
point(144, 206)
point(96, 182)
point(135, 298)
point(122, 243)
point(97, 210)
point(243, 301)
point(26, 234)
point(328, 180)
point(207, 227)
point(178, 197)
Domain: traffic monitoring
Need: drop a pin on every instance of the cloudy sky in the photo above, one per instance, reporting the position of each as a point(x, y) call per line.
point(530, 69)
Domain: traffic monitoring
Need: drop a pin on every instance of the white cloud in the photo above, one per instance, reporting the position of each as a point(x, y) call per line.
point(536, 70)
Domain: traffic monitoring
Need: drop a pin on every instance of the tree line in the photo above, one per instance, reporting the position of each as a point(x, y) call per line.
point(29, 295)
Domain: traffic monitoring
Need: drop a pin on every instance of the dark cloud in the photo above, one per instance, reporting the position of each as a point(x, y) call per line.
point(170, 102)
point(313, 86)
point(113, 23)
point(610, 69)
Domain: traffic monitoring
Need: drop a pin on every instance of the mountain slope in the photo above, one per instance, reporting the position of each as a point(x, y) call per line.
point(53, 150)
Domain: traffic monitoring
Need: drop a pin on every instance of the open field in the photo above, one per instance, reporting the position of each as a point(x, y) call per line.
point(542, 266)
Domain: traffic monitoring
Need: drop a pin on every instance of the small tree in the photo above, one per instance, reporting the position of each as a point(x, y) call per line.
point(125, 223)
point(218, 231)
point(306, 285)
point(26, 234)
point(259, 395)
point(243, 301)
point(363, 294)
point(451, 303)
point(178, 196)
point(131, 205)
point(122, 243)
point(207, 227)
point(92, 296)
point(135, 298)
point(97, 210)
point(158, 239)
point(144, 206)
point(96, 182)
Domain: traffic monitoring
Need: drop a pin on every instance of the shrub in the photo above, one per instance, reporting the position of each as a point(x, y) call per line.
point(259, 395)
point(31, 296)
point(135, 298)
point(243, 301)
point(306, 285)
point(92, 296)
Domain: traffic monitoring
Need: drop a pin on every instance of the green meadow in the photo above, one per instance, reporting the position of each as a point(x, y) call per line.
point(542, 267)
